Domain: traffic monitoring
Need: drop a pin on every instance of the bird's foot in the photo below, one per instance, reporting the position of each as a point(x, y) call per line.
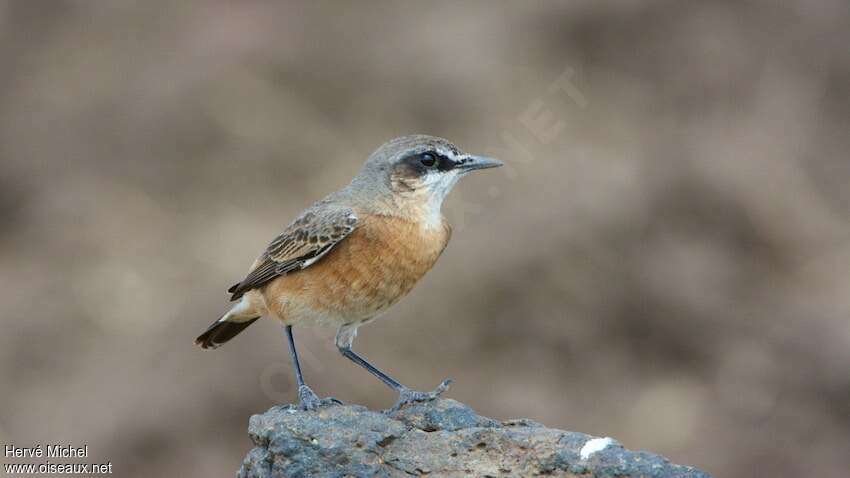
point(308, 400)
point(407, 395)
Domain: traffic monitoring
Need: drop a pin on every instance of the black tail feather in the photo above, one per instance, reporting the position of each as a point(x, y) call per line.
point(222, 331)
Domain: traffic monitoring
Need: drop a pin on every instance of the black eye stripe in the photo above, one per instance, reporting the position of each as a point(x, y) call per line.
point(445, 164)
point(430, 161)
point(442, 162)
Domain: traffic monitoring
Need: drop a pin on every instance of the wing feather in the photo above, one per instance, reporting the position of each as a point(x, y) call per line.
point(304, 242)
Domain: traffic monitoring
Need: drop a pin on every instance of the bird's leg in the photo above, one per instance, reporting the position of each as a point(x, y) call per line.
point(405, 395)
point(345, 337)
point(308, 400)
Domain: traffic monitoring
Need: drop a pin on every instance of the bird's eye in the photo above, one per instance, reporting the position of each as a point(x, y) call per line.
point(427, 159)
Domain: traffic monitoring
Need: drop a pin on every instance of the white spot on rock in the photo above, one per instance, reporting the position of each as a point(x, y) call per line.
point(594, 445)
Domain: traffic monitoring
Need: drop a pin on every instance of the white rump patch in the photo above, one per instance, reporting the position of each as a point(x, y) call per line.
point(240, 312)
point(594, 445)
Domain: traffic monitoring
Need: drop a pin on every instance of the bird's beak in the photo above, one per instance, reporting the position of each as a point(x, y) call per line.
point(471, 162)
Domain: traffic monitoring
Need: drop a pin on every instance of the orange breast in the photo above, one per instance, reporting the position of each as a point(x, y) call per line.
point(361, 276)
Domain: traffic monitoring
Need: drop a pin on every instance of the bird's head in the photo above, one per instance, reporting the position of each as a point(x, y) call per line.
point(418, 170)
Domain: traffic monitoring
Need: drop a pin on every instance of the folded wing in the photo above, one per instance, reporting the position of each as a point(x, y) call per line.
point(304, 242)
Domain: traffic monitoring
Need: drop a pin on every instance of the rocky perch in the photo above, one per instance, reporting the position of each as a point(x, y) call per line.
point(443, 438)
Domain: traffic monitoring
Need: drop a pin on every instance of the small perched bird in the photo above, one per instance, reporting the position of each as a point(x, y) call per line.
point(350, 256)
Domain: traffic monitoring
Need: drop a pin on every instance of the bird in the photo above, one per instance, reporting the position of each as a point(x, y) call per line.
point(350, 256)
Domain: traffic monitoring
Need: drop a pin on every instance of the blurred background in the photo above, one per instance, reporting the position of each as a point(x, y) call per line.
point(664, 261)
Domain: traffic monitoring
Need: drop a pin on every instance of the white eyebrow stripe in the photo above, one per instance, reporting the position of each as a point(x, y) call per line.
point(448, 153)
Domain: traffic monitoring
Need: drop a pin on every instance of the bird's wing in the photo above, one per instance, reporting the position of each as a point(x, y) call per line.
point(304, 242)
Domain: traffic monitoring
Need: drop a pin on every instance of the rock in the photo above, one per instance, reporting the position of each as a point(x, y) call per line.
point(443, 438)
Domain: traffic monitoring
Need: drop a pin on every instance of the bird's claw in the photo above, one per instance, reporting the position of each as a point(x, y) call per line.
point(308, 400)
point(407, 396)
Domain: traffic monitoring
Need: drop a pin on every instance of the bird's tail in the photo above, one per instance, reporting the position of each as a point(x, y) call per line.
point(227, 327)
